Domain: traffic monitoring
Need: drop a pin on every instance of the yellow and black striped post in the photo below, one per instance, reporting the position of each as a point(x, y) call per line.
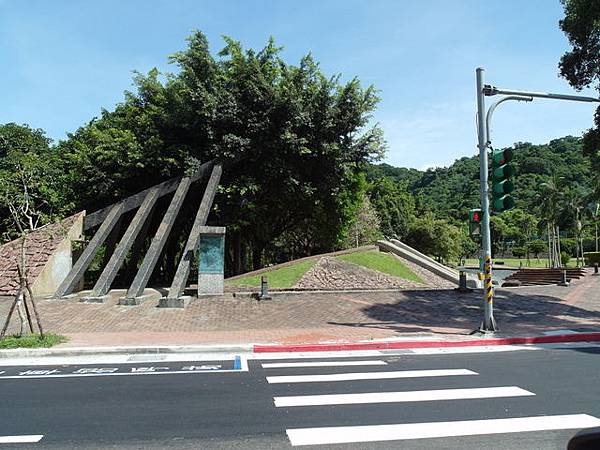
point(488, 286)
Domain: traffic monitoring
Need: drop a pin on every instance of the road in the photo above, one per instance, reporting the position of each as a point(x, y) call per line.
point(274, 403)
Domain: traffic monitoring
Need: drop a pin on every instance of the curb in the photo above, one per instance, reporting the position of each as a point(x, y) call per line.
point(396, 345)
point(91, 351)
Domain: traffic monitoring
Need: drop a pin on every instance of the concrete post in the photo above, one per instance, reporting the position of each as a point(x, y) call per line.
point(211, 266)
point(264, 289)
point(563, 279)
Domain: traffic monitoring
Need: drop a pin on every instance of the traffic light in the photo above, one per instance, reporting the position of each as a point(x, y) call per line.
point(502, 186)
point(475, 218)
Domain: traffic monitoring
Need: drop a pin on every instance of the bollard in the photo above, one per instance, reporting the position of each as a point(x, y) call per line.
point(563, 279)
point(264, 289)
point(462, 282)
point(596, 269)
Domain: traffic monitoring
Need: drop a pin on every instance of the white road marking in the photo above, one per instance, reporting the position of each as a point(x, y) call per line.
point(407, 396)
point(324, 364)
point(369, 376)
point(24, 439)
point(374, 433)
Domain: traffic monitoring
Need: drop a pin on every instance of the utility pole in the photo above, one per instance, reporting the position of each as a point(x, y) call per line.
point(483, 143)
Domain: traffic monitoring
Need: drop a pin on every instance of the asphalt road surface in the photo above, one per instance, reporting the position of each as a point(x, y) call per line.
point(522, 399)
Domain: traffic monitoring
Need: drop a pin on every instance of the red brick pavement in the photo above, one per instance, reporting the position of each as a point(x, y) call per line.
point(320, 317)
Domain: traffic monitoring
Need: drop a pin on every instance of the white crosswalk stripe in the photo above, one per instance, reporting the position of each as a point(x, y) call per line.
point(324, 435)
point(22, 439)
point(373, 433)
point(323, 364)
point(368, 376)
point(398, 397)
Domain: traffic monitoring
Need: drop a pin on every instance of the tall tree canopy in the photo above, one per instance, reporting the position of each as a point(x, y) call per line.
point(303, 138)
point(581, 65)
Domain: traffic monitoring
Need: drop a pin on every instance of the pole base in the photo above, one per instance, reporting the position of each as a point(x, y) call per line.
point(490, 329)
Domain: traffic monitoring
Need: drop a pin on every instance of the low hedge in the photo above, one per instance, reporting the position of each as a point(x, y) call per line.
point(592, 258)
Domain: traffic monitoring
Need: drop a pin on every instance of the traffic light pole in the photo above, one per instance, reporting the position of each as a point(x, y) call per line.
point(483, 142)
point(489, 323)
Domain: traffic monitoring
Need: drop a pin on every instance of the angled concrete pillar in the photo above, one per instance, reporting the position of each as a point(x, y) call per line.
point(174, 297)
point(136, 290)
point(79, 268)
point(109, 273)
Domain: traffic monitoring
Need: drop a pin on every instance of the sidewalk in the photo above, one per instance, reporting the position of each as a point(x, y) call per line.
point(312, 318)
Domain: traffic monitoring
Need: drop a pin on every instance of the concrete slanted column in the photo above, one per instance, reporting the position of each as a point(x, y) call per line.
point(109, 273)
point(78, 270)
point(175, 296)
point(211, 267)
point(136, 290)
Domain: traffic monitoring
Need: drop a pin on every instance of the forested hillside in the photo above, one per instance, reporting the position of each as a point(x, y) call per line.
point(451, 191)
point(553, 183)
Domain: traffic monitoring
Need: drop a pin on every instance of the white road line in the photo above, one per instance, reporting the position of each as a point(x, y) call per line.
point(374, 433)
point(120, 374)
point(24, 439)
point(369, 375)
point(406, 396)
point(324, 364)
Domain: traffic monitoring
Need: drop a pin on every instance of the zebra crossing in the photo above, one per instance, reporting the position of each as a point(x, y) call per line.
point(376, 371)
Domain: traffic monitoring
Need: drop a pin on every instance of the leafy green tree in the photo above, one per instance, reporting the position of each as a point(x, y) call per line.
point(536, 247)
point(31, 189)
point(294, 142)
point(394, 205)
point(365, 228)
point(581, 64)
point(519, 251)
point(435, 237)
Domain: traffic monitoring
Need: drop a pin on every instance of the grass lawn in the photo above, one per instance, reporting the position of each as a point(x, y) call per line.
point(282, 278)
point(514, 262)
point(31, 341)
point(382, 262)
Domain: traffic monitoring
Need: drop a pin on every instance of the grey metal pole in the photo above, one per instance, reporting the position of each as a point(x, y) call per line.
point(488, 324)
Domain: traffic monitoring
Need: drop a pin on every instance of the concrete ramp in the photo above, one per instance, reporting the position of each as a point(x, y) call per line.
point(404, 251)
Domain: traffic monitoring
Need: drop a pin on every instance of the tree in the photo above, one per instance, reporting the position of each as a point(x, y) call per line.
point(581, 64)
point(365, 228)
point(294, 142)
point(536, 247)
point(435, 237)
point(550, 200)
point(28, 192)
point(394, 205)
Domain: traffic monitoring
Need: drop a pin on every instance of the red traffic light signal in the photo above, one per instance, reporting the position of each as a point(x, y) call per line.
point(475, 218)
point(475, 215)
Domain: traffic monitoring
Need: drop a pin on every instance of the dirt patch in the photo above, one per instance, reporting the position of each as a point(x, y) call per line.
point(332, 273)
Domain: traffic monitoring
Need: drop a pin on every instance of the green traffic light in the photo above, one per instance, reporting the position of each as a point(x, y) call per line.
point(502, 172)
point(503, 187)
point(501, 157)
point(503, 203)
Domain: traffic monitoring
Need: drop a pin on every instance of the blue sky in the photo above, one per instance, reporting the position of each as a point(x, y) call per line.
point(62, 61)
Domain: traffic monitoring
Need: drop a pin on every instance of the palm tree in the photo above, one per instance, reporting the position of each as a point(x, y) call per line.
point(549, 200)
point(574, 201)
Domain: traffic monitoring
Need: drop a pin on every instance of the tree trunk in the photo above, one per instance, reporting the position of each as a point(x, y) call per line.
point(257, 252)
point(559, 256)
point(10, 313)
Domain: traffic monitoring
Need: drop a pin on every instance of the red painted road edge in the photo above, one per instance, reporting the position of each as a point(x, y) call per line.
point(391, 345)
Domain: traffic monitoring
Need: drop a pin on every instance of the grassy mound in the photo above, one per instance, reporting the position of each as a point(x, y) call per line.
point(31, 341)
point(381, 262)
point(283, 278)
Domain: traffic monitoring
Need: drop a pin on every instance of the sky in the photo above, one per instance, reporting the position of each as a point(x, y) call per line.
point(62, 61)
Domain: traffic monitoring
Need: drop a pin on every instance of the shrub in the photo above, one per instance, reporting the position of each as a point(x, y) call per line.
point(591, 258)
point(564, 258)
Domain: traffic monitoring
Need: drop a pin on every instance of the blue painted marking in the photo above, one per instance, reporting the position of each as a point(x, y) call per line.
point(237, 363)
